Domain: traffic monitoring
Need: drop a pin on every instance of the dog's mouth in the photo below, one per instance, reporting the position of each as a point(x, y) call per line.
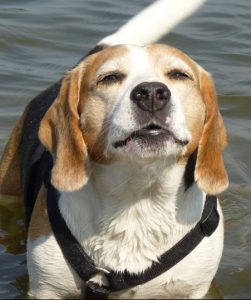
point(150, 134)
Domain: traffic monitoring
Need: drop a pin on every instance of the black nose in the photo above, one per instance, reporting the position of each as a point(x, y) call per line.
point(151, 96)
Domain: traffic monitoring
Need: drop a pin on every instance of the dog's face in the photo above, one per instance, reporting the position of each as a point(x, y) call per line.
point(141, 100)
point(137, 104)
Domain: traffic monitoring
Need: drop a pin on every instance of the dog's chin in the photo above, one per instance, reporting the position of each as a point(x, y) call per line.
point(149, 143)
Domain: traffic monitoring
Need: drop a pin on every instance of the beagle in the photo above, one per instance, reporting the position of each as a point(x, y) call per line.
point(131, 140)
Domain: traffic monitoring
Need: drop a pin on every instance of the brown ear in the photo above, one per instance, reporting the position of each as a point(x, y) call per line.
point(210, 172)
point(60, 133)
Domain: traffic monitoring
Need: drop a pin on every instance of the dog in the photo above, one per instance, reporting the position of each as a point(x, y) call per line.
point(118, 164)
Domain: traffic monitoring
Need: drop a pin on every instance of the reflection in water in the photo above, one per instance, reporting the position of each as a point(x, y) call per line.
point(13, 278)
point(40, 40)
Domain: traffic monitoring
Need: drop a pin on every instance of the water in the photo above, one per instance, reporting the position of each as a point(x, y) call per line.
point(39, 40)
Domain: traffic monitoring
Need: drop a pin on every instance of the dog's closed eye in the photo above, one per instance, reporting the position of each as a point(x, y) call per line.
point(178, 74)
point(111, 77)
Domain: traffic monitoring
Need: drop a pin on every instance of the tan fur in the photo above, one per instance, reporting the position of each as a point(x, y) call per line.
point(39, 224)
point(10, 172)
point(194, 110)
point(94, 123)
point(75, 126)
point(193, 105)
point(205, 123)
point(60, 129)
point(210, 172)
point(60, 133)
point(160, 50)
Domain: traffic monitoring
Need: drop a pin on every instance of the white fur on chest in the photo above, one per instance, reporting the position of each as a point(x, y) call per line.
point(127, 224)
point(126, 219)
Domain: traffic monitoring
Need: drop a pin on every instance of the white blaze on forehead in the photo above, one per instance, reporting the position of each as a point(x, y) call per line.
point(134, 61)
point(142, 64)
point(138, 55)
point(139, 61)
point(140, 68)
point(145, 63)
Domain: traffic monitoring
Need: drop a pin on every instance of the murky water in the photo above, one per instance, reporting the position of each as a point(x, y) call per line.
point(39, 40)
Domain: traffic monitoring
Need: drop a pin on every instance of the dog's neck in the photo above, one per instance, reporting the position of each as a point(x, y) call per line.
point(132, 213)
point(124, 185)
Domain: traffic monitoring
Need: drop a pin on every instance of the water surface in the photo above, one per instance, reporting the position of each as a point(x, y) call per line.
point(40, 40)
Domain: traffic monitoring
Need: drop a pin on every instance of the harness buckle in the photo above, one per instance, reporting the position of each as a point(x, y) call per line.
point(95, 291)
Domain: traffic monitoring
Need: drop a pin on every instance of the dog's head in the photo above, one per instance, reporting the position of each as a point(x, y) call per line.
point(138, 104)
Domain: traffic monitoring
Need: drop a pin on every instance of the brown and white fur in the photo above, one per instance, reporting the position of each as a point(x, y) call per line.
point(127, 205)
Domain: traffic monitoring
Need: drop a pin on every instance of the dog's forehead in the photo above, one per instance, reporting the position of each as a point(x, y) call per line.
point(171, 57)
point(154, 55)
point(107, 57)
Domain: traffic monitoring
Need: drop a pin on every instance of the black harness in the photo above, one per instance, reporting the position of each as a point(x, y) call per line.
point(85, 267)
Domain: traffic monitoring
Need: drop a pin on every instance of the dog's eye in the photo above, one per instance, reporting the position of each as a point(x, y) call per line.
point(111, 78)
point(177, 74)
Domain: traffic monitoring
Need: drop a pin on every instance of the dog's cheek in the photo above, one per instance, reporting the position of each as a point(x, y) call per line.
point(194, 110)
point(94, 125)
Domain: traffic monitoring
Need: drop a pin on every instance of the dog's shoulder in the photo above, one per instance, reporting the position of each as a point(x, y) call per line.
point(24, 151)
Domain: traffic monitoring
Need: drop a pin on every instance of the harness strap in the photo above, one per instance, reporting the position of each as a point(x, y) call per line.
point(204, 228)
point(72, 250)
point(85, 267)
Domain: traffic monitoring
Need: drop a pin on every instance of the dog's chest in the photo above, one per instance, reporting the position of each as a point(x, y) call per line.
point(129, 239)
point(129, 227)
point(132, 240)
point(125, 237)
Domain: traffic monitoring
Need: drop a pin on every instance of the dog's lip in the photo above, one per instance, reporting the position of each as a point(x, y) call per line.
point(150, 131)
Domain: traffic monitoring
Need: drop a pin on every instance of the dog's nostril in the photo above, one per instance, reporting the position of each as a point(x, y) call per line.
point(142, 95)
point(162, 94)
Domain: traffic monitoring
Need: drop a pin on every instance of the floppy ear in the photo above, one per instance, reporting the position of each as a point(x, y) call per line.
point(60, 133)
point(210, 172)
